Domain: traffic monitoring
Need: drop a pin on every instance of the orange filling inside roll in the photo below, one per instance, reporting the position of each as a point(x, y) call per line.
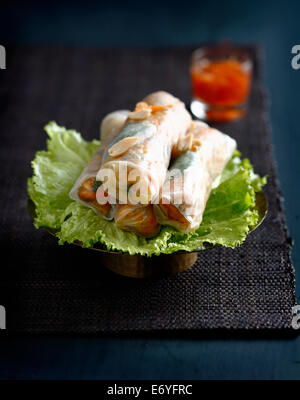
point(174, 214)
point(137, 219)
point(86, 193)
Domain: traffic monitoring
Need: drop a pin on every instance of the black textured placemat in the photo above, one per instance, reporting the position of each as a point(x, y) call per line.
point(51, 288)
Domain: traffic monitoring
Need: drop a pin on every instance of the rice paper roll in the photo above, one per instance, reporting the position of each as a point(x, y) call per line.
point(84, 189)
point(137, 218)
point(135, 163)
point(192, 176)
point(112, 124)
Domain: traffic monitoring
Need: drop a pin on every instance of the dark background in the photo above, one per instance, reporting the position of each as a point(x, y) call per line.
point(275, 25)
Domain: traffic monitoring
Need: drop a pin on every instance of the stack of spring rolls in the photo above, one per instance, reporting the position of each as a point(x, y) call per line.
point(155, 166)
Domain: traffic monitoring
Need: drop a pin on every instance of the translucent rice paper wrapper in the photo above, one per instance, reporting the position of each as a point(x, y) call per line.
point(191, 178)
point(111, 125)
point(149, 157)
point(137, 218)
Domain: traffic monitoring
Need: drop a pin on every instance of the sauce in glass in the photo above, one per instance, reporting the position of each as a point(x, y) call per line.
point(221, 83)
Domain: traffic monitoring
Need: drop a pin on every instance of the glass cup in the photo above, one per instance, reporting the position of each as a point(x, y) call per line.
point(221, 80)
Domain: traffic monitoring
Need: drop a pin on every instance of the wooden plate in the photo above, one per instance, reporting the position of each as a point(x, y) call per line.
point(138, 266)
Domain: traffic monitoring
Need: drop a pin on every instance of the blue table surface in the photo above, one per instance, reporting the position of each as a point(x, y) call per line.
point(126, 23)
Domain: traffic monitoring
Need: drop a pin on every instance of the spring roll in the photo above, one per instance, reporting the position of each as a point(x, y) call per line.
point(112, 125)
point(84, 189)
point(137, 218)
point(204, 154)
point(135, 163)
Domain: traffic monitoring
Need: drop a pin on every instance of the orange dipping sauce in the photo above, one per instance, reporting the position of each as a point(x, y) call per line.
point(221, 83)
point(222, 86)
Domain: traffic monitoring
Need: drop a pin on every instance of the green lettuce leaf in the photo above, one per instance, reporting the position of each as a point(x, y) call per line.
point(55, 171)
point(228, 217)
